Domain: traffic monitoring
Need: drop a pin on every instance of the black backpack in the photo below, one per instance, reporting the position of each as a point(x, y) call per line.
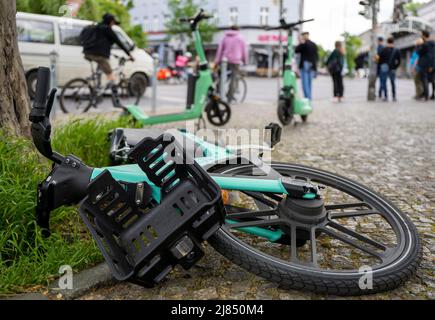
point(88, 36)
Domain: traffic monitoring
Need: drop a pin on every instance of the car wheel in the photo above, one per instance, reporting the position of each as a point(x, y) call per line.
point(31, 83)
point(137, 84)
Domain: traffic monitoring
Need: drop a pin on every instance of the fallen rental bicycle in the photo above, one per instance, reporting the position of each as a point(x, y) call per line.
point(301, 227)
point(81, 94)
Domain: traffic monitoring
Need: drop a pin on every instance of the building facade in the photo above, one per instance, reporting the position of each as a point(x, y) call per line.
point(251, 16)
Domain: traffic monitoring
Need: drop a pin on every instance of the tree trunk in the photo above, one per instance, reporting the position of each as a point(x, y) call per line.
point(14, 100)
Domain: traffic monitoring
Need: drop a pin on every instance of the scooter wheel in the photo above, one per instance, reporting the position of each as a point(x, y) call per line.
point(304, 119)
point(218, 113)
point(285, 113)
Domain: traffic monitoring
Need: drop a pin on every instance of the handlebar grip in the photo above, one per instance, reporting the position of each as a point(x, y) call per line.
point(42, 87)
point(39, 111)
point(309, 20)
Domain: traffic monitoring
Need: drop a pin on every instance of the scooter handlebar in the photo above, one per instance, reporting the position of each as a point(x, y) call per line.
point(193, 21)
point(285, 25)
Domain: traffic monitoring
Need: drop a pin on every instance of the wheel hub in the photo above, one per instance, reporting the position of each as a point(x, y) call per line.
point(309, 212)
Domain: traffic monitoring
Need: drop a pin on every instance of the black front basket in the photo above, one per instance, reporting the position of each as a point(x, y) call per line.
point(142, 239)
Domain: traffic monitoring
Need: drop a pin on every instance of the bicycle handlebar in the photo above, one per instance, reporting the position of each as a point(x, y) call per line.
point(42, 87)
point(286, 26)
point(193, 21)
point(40, 116)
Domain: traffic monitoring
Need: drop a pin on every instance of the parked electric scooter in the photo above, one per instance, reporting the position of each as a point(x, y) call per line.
point(290, 103)
point(201, 93)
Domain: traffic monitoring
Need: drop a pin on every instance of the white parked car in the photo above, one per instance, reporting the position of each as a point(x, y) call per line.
point(39, 35)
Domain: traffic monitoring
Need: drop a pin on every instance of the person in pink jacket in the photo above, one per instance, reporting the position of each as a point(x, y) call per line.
point(232, 47)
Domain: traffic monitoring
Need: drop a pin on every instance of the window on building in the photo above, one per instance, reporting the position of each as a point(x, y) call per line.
point(166, 18)
point(35, 31)
point(145, 24)
point(216, 16)
point(264, 16)
point(234, 16)
point(284, 13)
point(156, 22)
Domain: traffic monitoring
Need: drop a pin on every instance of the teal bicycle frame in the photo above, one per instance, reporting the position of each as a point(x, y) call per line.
point(213, 155)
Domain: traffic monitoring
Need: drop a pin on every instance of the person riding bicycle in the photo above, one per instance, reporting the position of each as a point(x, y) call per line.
point(232, 47)
point(98, 50)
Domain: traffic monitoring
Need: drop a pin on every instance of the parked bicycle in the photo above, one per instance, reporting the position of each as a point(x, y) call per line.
point(81, 94)
point(240, 88)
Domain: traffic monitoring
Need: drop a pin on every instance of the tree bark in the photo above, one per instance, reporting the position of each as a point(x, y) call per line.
point(14, 99)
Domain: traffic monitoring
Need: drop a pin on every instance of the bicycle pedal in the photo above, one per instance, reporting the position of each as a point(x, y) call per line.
point(164, 161)
point(143, 242)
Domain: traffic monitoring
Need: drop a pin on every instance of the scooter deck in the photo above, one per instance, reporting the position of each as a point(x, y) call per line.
point(145, 119)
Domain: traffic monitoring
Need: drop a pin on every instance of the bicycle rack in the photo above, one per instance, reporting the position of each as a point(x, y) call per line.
point(141, 238)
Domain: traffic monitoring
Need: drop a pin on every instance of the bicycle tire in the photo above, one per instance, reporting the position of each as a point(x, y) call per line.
point(68, 87)
point(244, 91)
point(285, 114)
point(218, 112)
point(342, 284)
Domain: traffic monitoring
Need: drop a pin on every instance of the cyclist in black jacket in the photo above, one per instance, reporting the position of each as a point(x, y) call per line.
point(426, 62)
point(100, 50)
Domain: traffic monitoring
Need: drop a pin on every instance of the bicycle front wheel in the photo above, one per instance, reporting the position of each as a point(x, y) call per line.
point(76, 96)
point(240, 91)
point(361, 245)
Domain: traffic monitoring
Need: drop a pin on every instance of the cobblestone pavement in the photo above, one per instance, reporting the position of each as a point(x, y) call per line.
point(387, 146)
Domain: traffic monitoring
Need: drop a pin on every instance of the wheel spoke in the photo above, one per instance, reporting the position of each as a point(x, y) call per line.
point(357, 235)
point(313, 241)
point(260, 197)
point(293, 244)
point(346, 206)
point(252, 214)
point(274, 197)
point(350, 214)
point(352, 243)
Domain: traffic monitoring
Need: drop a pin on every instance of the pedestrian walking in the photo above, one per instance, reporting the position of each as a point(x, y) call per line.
point(308, 63)
point(232, 47)
point(335, 64)
point(426, 63)
point(389, 61)
point(381, 45)
point(413, 66)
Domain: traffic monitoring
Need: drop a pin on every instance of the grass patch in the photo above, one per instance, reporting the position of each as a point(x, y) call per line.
point(87, 139)
point(26, 258)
